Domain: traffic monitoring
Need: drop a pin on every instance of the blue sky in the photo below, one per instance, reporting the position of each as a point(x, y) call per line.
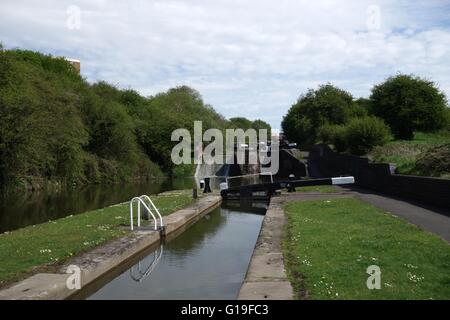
point(247, 58)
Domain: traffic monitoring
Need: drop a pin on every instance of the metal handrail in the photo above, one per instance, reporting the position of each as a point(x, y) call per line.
point(139, 200)
point(161, 224)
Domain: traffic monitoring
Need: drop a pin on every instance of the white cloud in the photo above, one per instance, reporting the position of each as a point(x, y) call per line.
point(247, 58)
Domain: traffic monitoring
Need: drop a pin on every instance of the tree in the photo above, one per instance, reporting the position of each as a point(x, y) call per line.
point(41, 132)
point(245, 124)
point(240, 123)
point(364, 106)
point(177, 108)
point(408, 103)
point(55, 125)
point(260, 124)
point(326, 105)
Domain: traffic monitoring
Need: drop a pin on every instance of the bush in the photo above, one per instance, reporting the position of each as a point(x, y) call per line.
point(363, 134)
point(335, 135)
point(409, 104)
point(184, 170)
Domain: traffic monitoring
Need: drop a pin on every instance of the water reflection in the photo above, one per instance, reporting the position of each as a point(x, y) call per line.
point(207, 261)
point(247, 205)
point(144, 273)
point(21, 209)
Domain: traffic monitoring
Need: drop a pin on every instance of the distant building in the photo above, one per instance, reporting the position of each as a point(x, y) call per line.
point(75, 63)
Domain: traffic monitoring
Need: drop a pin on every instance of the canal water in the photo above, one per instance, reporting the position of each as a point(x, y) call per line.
point(207, 261)
point(22, 209)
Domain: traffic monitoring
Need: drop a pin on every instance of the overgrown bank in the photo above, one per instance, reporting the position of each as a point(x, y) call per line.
point(427, 154)
point(56, 128)
point(329, 245)
point(45, 246)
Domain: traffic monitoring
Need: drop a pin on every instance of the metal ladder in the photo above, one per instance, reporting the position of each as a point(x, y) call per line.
point(141, 201)
point(142, 274)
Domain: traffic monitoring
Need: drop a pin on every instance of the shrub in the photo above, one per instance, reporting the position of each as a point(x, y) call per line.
point(435, 161)
point(335, 135)
point(363, 134)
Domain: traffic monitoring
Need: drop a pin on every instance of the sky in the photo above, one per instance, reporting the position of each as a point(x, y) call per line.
point(250, 58)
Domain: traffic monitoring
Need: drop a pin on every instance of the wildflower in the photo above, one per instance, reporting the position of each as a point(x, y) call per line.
point(414, 278)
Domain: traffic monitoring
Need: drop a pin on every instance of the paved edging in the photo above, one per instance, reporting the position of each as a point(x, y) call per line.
point(100, 260)
point(266, 277)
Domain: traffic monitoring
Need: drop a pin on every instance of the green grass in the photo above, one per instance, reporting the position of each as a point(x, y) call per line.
point(403, 153)
point(320, 189)
point(47, 245)
point(329, 244)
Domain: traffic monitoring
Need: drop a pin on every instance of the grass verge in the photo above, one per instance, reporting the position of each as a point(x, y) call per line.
point(320, 189)
point(41, 247)
point(329, 245)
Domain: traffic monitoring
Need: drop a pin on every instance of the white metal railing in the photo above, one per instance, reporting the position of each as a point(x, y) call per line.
point(154, 207)
point(141, 200)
